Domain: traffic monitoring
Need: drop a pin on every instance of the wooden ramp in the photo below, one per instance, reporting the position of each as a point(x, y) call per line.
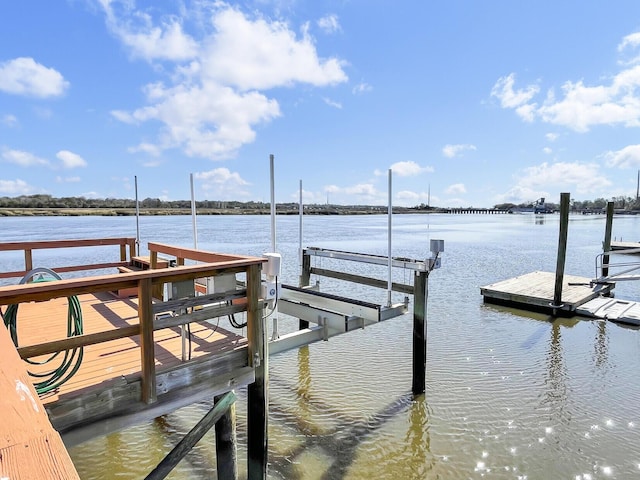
point(535, 291)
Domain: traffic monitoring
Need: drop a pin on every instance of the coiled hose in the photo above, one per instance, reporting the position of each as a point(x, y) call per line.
point(71, 360)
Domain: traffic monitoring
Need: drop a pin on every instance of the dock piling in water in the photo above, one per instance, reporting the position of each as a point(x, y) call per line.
point(562, 251)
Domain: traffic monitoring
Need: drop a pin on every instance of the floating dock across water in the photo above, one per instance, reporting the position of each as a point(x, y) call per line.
point(535, 291)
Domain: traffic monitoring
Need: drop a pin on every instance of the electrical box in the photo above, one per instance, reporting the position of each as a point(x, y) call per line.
point(182, 289)
point(436, 246)
point(269, 290)
point(272, 267)
point(221, 283)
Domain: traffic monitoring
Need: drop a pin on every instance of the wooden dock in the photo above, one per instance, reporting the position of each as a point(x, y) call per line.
point(617, 246)
point(535, 291)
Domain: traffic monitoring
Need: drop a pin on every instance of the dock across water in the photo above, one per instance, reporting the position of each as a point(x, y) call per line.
point(535, 291)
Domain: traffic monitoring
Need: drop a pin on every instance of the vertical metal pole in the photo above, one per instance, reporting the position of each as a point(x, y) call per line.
point(606, 245)
point(420, 294)
point(300, 215)
point(562, 251)
point(258, 391)
point(273, 206)
point(193, 215)
point(390, 215)
point(275, 335)
point(137, 252)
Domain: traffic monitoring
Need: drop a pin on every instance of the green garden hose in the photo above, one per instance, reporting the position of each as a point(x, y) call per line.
point(71, 360)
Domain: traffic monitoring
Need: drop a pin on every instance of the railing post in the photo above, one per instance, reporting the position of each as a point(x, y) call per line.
point(258, 391)
point(147, 352)
point(123, 252)
point(28, 260)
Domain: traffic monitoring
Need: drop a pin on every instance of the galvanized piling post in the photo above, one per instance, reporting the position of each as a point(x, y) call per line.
point(305, 279)
point(420, 294)
point(606, 244)
point(562, 252)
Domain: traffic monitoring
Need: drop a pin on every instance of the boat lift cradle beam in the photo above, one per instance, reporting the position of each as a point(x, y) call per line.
point(326, 312)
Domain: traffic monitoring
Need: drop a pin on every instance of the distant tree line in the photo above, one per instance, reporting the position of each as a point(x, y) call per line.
point(49, 202)
point(619, 203)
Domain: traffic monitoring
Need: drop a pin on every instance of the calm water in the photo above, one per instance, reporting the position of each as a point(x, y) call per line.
point(510, 394)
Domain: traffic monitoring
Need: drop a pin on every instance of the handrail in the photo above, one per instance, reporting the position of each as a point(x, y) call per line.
point(144, 281)
point(619, 275)
point(29, 247)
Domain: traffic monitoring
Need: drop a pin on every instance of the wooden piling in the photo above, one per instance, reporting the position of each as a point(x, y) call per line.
point(226, 445)
point(606, 244)
point(421, 289)
point(562, 250)
point(258, 391)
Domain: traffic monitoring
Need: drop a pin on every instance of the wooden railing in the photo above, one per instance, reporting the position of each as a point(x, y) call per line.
point(28, 248)
point(145, 281)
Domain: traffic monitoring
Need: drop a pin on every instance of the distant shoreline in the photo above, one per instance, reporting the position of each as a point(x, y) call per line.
point(130, 212)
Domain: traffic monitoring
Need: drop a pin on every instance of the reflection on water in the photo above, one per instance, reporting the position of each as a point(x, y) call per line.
point(510, 394)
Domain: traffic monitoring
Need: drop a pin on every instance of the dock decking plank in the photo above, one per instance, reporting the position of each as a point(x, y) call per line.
point(536, 289)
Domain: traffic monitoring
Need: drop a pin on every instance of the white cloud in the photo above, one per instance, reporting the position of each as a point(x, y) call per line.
point(210, 106)
point(581, 106)
point(135, 29)
point(410, 198)
point(9, 120)
point(60, 179)
point(361, 88)
point(332, 103)
point(534, 182)
point(510, 98)
point(451, 151)
point(15, 187)
point(222, 184)
point(405, 169)
point(70, 159)
point(547, 151)
point(257, 54)
point(551, 137)
point(22, 158)
point(24, 76)
point(329, 24)
point(456, 189)
point(364, 193)
point(627, 157)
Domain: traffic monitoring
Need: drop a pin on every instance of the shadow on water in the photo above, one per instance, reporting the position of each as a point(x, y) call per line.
point(342, 441)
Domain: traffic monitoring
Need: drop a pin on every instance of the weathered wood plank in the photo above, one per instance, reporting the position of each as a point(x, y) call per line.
point(29, 446)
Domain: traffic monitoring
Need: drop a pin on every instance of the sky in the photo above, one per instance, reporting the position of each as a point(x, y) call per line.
point(468, 103)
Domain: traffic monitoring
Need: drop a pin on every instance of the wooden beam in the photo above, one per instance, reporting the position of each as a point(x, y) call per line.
point(193, 254)
point(46, 244)
point(78, 341)
point(75, 286)
point(147, 351)
point(185, 445)
point(258, 391)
